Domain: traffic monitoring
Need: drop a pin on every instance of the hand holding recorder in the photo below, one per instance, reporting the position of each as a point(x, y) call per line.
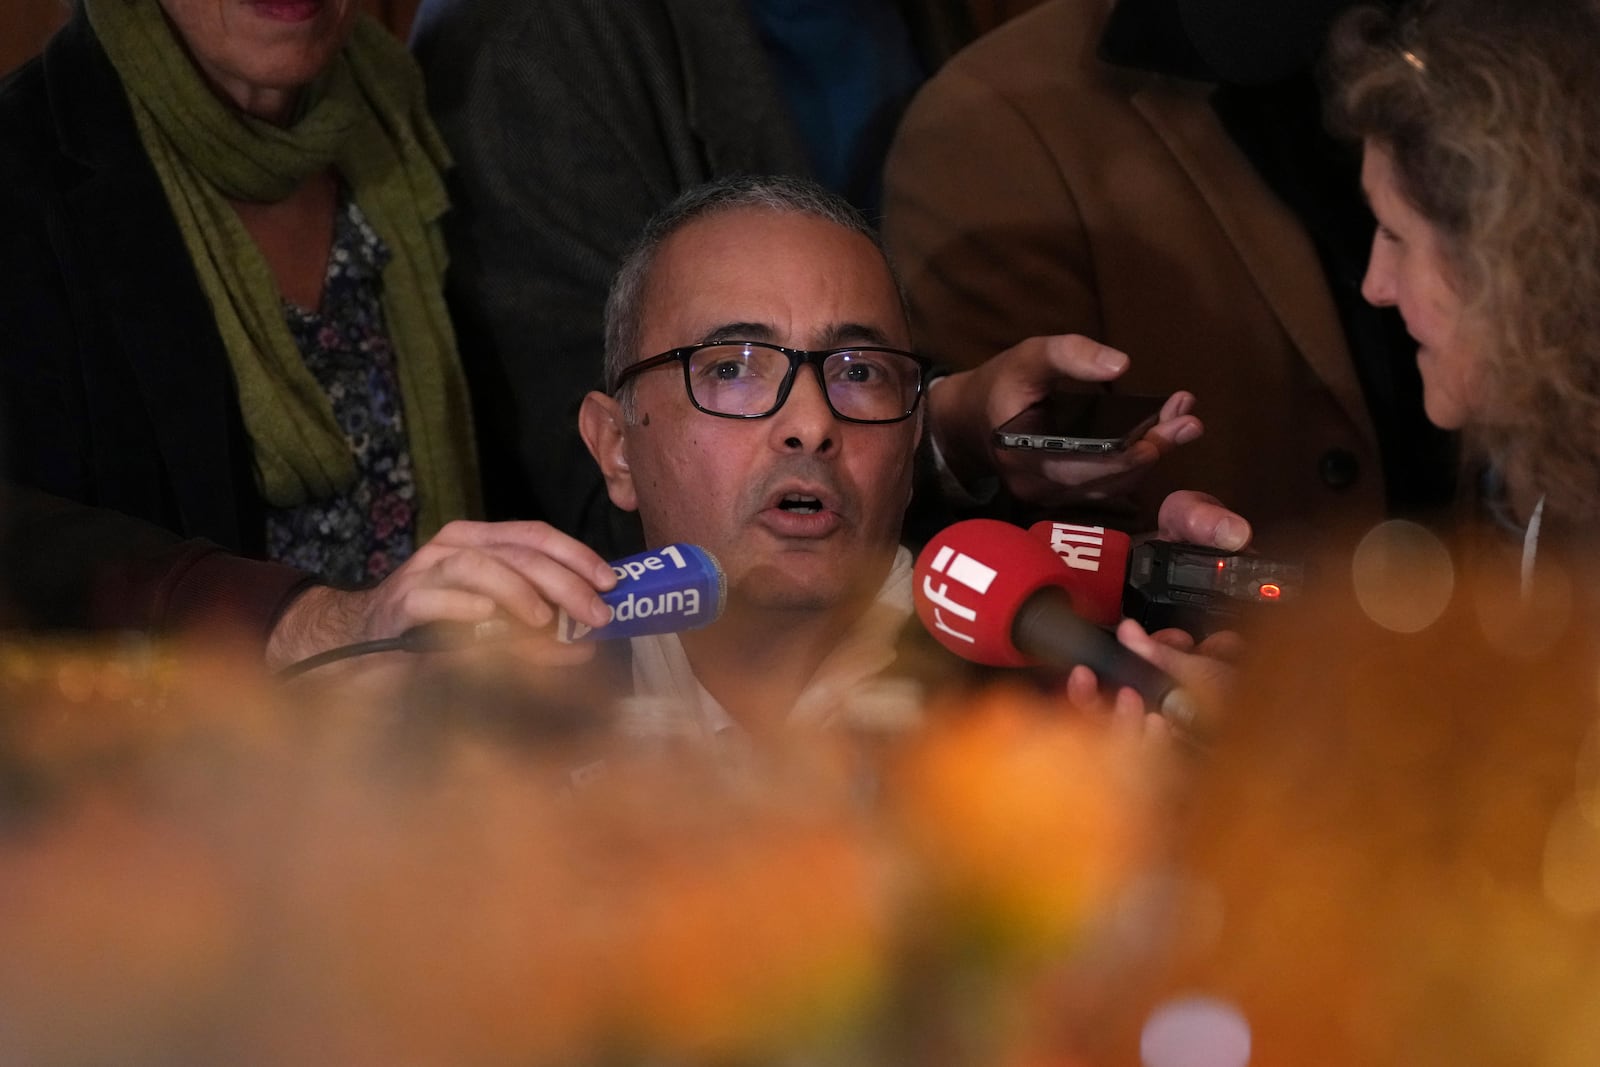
point(1166, 584)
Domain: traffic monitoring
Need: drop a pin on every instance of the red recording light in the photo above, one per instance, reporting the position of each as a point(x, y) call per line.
point(1271, 592)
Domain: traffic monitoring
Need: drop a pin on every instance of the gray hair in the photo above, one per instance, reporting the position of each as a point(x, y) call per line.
point(624, 322)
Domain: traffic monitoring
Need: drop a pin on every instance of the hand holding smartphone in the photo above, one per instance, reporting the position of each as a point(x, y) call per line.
point(1092, 423)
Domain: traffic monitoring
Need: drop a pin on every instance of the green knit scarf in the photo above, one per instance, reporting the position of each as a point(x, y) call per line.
point(366, 117)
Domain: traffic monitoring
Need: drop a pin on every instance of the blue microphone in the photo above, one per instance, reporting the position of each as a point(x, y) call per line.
point(668, 590)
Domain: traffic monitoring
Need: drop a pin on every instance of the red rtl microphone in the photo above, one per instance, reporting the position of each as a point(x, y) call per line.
point(992, 593)
point(1096, 560)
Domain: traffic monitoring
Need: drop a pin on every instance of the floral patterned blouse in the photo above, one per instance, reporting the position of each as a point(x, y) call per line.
point(361, 534)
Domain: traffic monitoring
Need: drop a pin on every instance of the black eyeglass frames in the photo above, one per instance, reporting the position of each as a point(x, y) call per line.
point(752, 379)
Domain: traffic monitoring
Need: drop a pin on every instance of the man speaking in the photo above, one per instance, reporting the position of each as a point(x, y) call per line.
point(763, 403)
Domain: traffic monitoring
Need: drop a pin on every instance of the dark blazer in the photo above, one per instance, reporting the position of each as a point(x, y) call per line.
point(1034, 189)
point(572, 123)
point(115, 389)
point(67, 566)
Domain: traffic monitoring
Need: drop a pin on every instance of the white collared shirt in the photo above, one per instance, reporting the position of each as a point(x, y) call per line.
point(669, 699)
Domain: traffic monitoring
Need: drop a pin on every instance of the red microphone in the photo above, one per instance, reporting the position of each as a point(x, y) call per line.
point(1097, 566)
point(992, 593)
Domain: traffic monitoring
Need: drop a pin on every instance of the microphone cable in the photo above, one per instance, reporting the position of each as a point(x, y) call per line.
point(424, 637)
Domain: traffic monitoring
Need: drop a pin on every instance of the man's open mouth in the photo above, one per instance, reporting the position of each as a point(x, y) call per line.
point(800, 504)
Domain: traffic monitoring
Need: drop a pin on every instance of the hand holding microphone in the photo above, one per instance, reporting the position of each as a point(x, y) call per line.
point(479, 582)
point(1205, 670)
point(994, 594)
point(663, 591)
point(668, 590)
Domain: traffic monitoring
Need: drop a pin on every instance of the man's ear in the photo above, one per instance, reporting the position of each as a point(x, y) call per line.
point(600, 422)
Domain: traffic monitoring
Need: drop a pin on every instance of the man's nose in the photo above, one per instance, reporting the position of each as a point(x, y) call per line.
point(805, 422)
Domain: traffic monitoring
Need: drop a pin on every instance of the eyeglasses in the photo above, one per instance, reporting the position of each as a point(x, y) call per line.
point(752, 379)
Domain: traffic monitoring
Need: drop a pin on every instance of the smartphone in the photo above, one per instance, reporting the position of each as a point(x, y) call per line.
point(1095, 423)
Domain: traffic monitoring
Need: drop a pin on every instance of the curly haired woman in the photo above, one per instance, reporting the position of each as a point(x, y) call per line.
point(1480, 125)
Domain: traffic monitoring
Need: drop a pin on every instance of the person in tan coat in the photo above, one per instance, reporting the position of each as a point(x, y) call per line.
point(1037, 186)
